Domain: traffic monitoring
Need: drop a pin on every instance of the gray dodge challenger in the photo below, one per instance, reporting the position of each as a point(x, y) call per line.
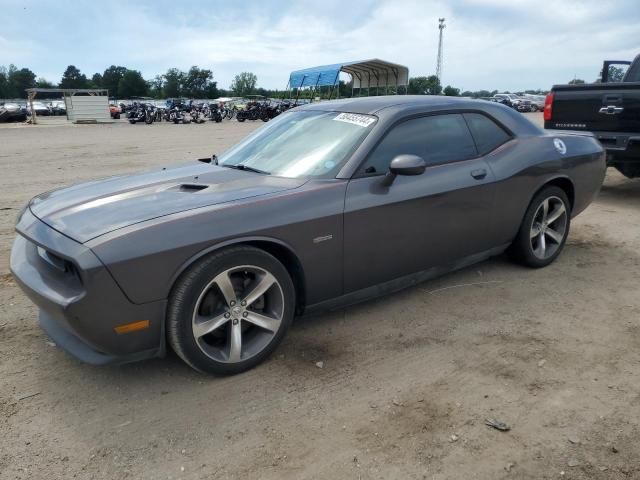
point(329, 204)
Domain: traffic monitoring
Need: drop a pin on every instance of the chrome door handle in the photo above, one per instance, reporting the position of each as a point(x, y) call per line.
point(611, 110)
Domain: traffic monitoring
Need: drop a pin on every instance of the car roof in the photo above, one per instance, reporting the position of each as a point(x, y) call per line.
point(372, 105)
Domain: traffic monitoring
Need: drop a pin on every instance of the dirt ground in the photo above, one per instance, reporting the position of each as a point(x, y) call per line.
point(407, 380)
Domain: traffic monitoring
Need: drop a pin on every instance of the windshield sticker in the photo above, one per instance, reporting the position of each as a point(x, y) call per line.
point(355, 119)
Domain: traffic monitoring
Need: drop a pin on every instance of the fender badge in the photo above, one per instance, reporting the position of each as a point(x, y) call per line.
point(322, 239)
point(560, 146)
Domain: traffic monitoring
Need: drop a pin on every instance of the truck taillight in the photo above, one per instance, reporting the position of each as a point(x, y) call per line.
point(548, 107)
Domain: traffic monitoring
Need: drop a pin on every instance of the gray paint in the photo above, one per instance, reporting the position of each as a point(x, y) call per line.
point(131, 237)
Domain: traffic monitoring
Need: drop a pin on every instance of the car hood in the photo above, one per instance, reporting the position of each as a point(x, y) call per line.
point(88, 210)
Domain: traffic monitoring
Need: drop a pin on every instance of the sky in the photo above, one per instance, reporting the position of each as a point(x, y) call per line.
point(488, 44)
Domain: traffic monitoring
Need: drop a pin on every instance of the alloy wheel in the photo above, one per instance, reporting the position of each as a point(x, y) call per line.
point(238, 313)
point(548, 227)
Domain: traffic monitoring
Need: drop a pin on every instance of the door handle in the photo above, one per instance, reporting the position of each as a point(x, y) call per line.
point(611, 110)
point(479, 174)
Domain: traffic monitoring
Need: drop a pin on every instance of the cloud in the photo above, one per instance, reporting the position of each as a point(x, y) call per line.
point(502, 44)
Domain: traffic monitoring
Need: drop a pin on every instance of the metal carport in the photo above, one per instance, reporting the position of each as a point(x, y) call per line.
point(83, 105)
point(364, 74)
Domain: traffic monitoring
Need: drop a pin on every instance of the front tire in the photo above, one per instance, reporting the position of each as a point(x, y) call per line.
point(544, 229)
point(230, 310)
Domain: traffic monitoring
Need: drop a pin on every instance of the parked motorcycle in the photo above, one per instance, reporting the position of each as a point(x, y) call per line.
point(142, 113)
point(215, 113)
point(252, 111)
point(177, 115)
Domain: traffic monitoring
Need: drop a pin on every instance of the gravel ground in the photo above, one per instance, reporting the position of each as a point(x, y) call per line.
point(407, 380)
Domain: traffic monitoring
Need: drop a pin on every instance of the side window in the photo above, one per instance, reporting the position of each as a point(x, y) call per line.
point(437, 139)
point(487, 134)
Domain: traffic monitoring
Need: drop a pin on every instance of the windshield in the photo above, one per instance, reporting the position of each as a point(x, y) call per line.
point(301, 144)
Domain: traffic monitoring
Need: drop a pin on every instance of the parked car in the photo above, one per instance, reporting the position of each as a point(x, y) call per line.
point(537, 101)
point(523, 105)
point(40, 108)
point(508, 99)
point(514, 101)
point(57, 107)
point(609, 109)
point(12, 112)
point(326, 205)
point(115, 111)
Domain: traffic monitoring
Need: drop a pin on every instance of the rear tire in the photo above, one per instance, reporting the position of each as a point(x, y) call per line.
point(544, 229)
point(230, 310)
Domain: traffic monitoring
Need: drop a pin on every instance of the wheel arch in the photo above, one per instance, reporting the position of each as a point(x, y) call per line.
point(279, 249)
point(563, 183)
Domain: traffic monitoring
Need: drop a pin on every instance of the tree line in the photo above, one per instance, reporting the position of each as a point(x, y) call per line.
point(125, 83)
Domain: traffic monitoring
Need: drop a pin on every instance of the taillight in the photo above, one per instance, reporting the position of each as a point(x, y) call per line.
point(548, 107)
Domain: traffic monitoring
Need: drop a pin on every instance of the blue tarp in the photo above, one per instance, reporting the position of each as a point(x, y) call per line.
point(315, 76)
point(365, 74)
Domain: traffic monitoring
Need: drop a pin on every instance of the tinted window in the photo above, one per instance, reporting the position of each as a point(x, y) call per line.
point(487, 134)
point(437, 139)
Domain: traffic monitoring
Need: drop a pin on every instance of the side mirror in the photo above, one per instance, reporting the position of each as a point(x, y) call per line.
point(404, 165)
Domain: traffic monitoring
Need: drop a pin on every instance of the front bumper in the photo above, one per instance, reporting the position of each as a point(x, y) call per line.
point(80, 303)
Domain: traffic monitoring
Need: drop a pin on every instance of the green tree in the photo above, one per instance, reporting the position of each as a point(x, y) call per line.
point(73, 78)
point(96, 81)
point(132, 85)
point(173, 82)
point(111, 79)
point(576, 81)
point(4, 82)
point(20, 80)
point(244, 84)
point(155, 86)
point(44, 83)
point(198, 83)
point(450, 91)
point(616, 74)
point(345, 88)
point(425, 85)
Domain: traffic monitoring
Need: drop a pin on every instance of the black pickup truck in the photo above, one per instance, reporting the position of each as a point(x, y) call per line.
point(609, 108)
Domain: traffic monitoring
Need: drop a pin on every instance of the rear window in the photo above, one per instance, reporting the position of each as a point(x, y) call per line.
point(487, 133)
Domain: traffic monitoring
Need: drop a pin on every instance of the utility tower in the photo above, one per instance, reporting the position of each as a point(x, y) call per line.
point(441, 27)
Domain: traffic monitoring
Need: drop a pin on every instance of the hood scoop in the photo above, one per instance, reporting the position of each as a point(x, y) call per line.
point(189, 187)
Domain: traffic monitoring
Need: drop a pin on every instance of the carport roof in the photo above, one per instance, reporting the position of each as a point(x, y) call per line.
point(365, 73)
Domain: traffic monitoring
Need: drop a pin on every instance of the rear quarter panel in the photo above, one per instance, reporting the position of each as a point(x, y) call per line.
point(523, 166)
